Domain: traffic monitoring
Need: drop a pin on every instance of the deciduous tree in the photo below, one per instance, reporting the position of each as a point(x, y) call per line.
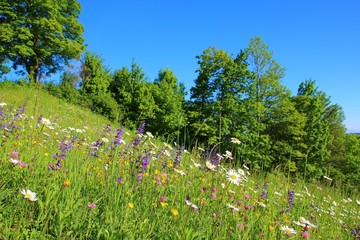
point(39, 36)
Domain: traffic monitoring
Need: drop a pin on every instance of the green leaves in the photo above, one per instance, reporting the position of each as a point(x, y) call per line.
point(40, 36)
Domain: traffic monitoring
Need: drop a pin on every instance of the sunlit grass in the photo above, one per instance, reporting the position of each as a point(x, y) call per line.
point(103, 182)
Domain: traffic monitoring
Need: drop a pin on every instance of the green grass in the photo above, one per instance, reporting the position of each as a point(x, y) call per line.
point(175, 196)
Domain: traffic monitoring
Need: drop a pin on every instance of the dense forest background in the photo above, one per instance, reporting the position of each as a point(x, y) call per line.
point(237, 98)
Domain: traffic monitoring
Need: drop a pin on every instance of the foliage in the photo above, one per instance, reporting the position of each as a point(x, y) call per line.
point(169, 99)
point(313, 104)
point(134, 95)
point(95, 77)
point(39, 36)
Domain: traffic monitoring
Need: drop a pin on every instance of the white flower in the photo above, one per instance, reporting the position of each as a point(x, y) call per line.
point(358, 202)
point(245, 167)
point(201, 149)
point(195, 163)
point(235, 140)
point(233, 207)
point(228, 154)
point(105, 140)
point(241, 172)
point(288, 231)
point(233, 176)
point(303, 223)
point(45, 121)
point(14, 161)
point(29, 195)
point(3, 104)
point(327, 178)
point(180, 172)
point(149, 135)
point(210, 166)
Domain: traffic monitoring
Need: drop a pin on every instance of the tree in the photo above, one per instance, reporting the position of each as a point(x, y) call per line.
point(95, 76)
point(134, 95)
point(169, 97)
point(216, 96)
point(314, 104)
point(40, 35)
point(264, 95)
point(95, 82)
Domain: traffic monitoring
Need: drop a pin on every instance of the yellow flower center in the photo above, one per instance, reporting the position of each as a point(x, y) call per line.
point(233, 177)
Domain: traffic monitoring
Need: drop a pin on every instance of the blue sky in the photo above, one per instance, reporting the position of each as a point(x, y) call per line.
point(318, 40)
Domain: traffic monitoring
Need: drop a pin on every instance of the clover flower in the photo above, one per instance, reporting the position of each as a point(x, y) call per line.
point(92, 205)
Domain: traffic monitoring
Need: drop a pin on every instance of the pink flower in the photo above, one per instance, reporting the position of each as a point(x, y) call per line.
point(91, 205)
point(15, 154)
point(240, 226)
point(240, 203)
point(162, 199)
point(305, 234)
point(23, 164)
point(213, 195)
point(247, 207)
point(247, 197)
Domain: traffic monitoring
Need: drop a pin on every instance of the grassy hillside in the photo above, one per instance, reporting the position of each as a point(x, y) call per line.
point(40, 103)
point(102, 183)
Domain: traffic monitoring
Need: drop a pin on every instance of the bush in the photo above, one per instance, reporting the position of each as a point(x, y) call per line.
point(105, 105)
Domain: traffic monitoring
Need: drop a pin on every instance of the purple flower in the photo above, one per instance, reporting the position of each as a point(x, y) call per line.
point(291, 195)
point(119, 136)
point(264, 192)
point(139, 132)
point(139, 177)
point(145, 162)
point(119, 180)
point(178, 157)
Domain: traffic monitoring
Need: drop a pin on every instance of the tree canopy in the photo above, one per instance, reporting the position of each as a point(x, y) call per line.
point(39, 36)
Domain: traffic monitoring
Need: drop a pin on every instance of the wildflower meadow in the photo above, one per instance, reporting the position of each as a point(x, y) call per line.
point(67, 182)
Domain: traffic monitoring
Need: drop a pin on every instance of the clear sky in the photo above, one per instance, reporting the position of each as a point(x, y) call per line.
point(312, 39)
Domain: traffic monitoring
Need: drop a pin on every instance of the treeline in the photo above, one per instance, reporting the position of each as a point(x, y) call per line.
point(235, 98)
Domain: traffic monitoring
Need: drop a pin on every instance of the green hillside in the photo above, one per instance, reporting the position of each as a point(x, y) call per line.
point(40, 103)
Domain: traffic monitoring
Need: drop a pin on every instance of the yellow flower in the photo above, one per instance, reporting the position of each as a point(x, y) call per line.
point(272, 229)
point(174, 212)
point(131, 205)
point(157, 172)
point(66, 183)
point(163, 204)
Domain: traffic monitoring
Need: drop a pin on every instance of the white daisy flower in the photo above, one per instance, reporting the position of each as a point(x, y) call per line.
point(29, 195)
point(233, 176)
point(45, 121)
point(288, 231)
point(210, 166)
point(235, 140)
